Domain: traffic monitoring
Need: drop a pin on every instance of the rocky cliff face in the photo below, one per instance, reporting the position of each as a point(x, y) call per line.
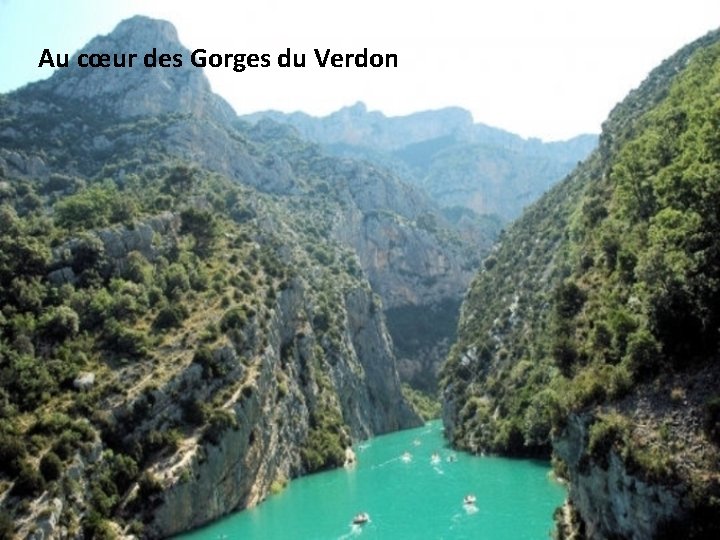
point(621, 480)
point(357, 126)
point(271, 426)
point(416, 258)
point(420, 254)
point(612, 500)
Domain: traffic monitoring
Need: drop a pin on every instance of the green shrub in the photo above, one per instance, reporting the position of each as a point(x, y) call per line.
point(51, 466)
point(66, 444)
point(159, 440)
point(92, 207)
point(643, 353)
point(29, 482)
point(211, 365)
point(202, 225)
point(220, 421)
point(124, 340)
point(233, 318)
point(170, 316)
point(124, 470)
point(148, 485)
point(711, 419)
point(195, 412)
point(176, 280)
point(12, 451)
point(569, 299)
point(95, 527)
point(608, 432)
point(59, 323)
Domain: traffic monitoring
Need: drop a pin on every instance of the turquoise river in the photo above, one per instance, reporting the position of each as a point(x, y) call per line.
point(413, 497)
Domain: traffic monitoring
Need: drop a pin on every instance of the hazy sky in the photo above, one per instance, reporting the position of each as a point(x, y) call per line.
point(548, 69)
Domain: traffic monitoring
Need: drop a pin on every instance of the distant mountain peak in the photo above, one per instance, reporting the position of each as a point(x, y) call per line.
point(139, 90)
point(357, 109)
point(140, 28)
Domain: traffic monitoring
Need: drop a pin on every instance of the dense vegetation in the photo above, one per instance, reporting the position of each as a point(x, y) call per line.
point(608, 285)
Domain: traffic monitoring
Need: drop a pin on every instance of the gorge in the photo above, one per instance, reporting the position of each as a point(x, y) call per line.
point(198, 307)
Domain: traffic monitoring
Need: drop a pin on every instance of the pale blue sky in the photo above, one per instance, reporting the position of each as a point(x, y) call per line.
point(547, 69)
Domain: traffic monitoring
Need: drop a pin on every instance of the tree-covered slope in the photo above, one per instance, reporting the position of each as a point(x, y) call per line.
point(593, 329)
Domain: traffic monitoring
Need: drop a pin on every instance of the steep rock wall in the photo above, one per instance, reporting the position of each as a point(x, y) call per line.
point(209, 480)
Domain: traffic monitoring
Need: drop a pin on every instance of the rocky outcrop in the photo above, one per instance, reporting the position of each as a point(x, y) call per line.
point(418, 265)
point(611, 500)
point(140, 90)
point(112, 245)
point(31, 166)
point(271, 425)
point(406, 264)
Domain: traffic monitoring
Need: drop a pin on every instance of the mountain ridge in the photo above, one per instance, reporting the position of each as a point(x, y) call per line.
point(456, 161)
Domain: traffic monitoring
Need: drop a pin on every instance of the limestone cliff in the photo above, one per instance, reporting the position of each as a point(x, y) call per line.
point(270, 425)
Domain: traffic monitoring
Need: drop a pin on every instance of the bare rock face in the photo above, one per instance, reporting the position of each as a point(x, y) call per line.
point(184, 118)
point(205, 482)
point(419, 267)
point(612, 501)
point(458, 163)
point(140, 90)
point(406, 264)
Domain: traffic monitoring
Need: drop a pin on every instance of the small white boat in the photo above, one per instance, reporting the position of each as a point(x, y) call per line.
point(452, 458)
point(361, 518)
point(469, 500)
point(416, 442)
point(435, 458)
point(406, 457)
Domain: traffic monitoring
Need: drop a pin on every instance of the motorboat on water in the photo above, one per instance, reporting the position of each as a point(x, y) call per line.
point(406, 457)
point(435, 458)
point(469, 500)
point(361, 518)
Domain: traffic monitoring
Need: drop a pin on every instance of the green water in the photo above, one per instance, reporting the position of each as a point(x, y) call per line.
point(414, 500)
